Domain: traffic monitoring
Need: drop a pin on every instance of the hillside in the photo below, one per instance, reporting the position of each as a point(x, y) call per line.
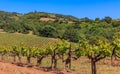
point(94, 39)
point(9, 39)
point(53, 25)
point(37, 15)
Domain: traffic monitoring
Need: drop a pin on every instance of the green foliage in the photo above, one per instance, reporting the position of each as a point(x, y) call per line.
point(61, 26)
point(48, 31)
point(50, 49)
point(9, 39)
point(15, 50)
point(3, 50)
point(71, 35)
point(62, 47)
point(100, 48)
point(115, 23)
point(107, 19)
point(116, 41)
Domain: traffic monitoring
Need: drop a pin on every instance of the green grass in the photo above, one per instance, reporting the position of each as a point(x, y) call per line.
point(10, 39)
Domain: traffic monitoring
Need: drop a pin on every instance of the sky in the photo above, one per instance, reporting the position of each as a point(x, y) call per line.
point(77, 8)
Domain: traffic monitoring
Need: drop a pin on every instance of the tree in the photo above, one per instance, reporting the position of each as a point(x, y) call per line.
point(71, 34)
point(95, 52)
point(14, 53)
point(69, 57)
point(97, 20)
point(64, 48)
point(3, 52)
point(17, 51)
point(53, 53)
point(41, 54)
point(107, 19)
point(48, 31)
point(116, 46)
point(116, 23)
point(29, 53)
point(86, 19)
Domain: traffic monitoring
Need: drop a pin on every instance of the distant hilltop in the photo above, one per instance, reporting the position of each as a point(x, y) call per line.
point(58, 25)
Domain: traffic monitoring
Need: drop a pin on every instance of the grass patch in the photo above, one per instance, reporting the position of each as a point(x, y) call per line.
point(10, 39)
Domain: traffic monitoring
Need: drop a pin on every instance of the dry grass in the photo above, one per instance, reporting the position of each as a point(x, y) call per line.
point(80, 66)
point(47, 19)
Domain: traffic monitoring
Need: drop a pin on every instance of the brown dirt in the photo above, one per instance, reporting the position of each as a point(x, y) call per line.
point(47, 19)
point(7, 68)
point(103, 67)
point(2, 31)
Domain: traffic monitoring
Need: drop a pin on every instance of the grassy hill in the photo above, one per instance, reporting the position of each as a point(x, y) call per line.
point(11, 39)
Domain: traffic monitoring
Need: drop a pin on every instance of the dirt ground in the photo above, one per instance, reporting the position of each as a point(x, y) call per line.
point(83, 68)
point(8, 68)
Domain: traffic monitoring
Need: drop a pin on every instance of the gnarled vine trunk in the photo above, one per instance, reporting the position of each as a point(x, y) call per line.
point(14, 58)
point(2, 56)
point(39, 60)
point(68, 60)
point(19, 58)
point(93, 66)
point(28, 60)
point(54, 60)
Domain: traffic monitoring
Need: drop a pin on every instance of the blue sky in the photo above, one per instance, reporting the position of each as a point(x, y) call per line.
point(78, 8)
